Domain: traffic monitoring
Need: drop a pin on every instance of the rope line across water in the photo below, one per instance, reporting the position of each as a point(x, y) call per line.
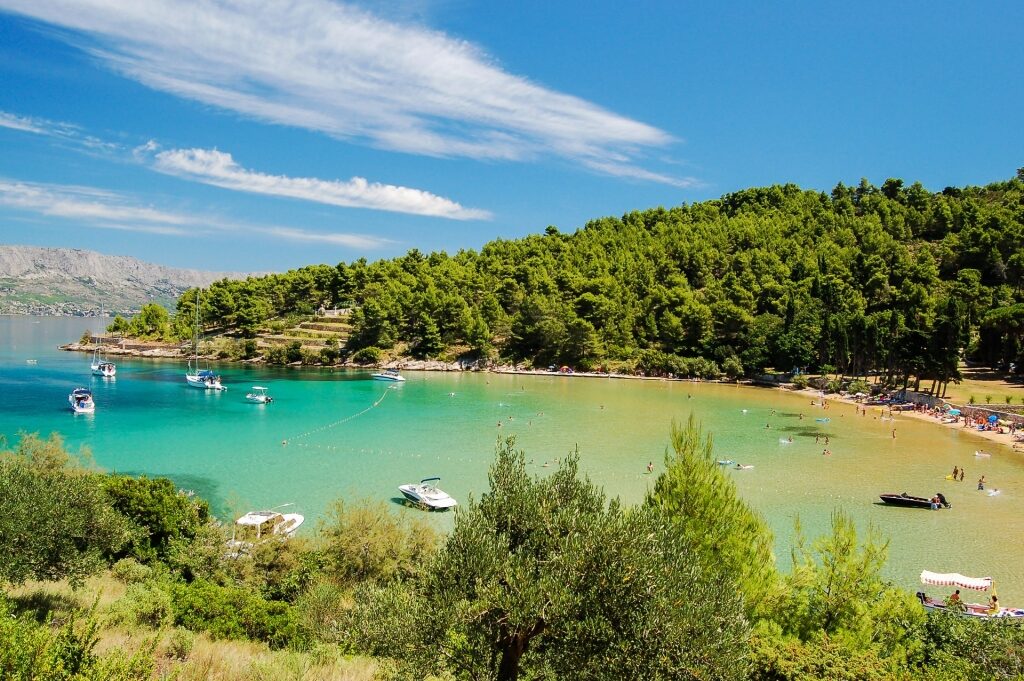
point(336, 423)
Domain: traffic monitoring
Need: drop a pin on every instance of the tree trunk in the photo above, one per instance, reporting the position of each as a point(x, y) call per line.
point(508, 669)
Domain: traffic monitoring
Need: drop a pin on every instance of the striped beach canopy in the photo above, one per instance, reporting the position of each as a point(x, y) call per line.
point(955, 579)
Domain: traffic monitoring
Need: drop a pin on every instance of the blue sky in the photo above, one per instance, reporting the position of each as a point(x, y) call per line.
point(241, 135)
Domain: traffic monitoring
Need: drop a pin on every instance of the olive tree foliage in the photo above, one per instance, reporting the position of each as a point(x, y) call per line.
point(55, 522)
point(714, 521)
point(545, 578)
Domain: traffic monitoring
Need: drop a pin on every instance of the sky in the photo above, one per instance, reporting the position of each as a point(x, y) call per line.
point(244, 135)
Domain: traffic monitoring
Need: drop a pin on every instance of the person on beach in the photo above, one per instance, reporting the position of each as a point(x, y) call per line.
point(816, 438)
point(956, 472)
point(893, 433)
point(993, 604)
point(955, 596)
point(961, 475)
point(981, 483)
point(826, 440)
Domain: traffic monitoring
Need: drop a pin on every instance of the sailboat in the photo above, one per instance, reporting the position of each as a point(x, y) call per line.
point(204, 378)
point(100, 366)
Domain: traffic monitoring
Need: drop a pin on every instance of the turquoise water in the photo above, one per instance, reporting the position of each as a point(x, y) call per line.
point(349, 436)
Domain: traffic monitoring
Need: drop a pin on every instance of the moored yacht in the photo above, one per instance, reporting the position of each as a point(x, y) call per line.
point(101, 366)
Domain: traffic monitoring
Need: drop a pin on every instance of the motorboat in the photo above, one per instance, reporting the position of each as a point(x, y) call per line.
point(81, 401)
point(259, 395)
point(426, 494)
point(101, 367)
point(909, 501)
point(388, 375)
point(260, 526)
point(956, 606)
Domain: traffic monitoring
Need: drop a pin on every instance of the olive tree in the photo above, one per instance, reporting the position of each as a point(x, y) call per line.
point(546, 578)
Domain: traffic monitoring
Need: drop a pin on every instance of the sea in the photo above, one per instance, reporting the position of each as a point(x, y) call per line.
point(335, 434)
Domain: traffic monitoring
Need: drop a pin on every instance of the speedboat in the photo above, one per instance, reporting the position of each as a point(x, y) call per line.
point(388, 375)
point(425, 493)
point(909, 501)
point(259, 395)
point(101, 367)
point(260, 526)
point(991, 609)
point(81, 402)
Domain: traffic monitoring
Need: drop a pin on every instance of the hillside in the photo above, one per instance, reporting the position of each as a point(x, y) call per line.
point(63, 281)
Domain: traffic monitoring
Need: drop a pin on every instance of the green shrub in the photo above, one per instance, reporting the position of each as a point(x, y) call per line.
point(159, 512)
point(276, 354)
point(250, 349)
point(370, 355)
point(145, 604)
point(180, 644)
point(293, 353)
point(310, 357)
point(800, 382)
point(131, 571)
point(859, 386)
point(233, 612)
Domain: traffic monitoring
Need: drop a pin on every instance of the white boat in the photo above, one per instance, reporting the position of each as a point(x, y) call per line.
point(81, 401)
point(259, 526)
point(953, 579)
point(388, 375)
point(196, 377)
point(259, 395)
point(981, 453)
point(101, 367)
point(425, 493)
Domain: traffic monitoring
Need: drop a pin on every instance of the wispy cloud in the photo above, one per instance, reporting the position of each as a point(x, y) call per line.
point(220, 169)
point(92, 207)
point(337, 69)
point(23, 123)
point(65, 132)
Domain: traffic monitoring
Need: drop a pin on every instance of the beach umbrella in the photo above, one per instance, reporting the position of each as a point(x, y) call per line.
point(992, 418)
point(954, 412)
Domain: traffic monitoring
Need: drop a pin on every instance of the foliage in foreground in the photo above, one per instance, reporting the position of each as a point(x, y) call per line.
point(701, 500)
point(544, 578)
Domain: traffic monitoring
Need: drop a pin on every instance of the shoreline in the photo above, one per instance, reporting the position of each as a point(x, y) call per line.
point(145, 350)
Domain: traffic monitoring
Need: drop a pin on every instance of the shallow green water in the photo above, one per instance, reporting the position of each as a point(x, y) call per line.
point(341, 445)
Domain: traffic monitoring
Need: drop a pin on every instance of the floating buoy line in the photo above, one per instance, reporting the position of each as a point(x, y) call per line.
point(321, 429)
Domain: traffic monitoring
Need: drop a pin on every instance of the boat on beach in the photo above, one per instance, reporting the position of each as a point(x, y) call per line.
point(980, 610)
point(426, 494)
point(81, 401)
point(388, 375)
point(908, 501)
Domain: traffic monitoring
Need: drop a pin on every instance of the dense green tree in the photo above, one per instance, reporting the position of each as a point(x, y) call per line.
point(55, 522)
point(159, 512)
point(703, 502)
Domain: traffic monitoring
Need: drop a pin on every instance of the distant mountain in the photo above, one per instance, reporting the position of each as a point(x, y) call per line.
point(65, 281)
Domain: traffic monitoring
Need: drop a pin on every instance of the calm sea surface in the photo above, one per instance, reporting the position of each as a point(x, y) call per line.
point(349, 436)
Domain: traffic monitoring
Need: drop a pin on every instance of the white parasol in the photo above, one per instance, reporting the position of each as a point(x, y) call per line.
point(956, 579)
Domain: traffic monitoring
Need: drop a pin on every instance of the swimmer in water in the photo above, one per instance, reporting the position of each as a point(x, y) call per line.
point(650, 467)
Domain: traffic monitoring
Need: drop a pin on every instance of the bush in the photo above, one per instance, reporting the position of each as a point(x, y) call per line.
point(250, 349)
point(131, 571)
point(145, 604)
point(329, 356)
point(859, 386)
point(180, 644)
point(368, 543)
point(800, 382)
point(159, 512)
point(370, 355)
point(293, 353)
point(233, 612)
point(276, 354)
point(310, 357)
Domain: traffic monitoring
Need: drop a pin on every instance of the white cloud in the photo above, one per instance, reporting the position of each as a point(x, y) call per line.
point(220, 169)
point(88, 206)
point(23, 123)
point(340, 70)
